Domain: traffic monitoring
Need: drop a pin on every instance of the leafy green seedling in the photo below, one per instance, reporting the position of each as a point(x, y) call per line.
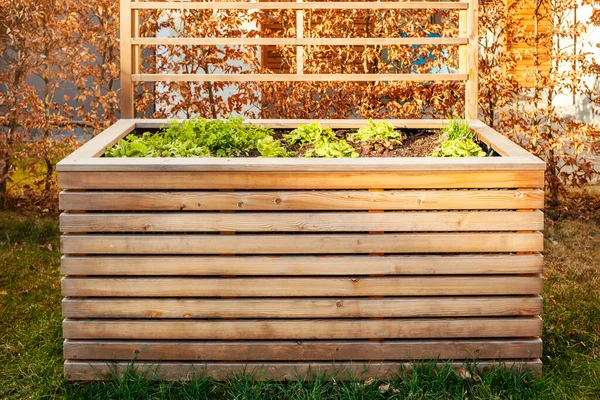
point(458, 129)
point(458, 141)
point(459, 148)
point(320, 141)
point(374, 131)
point(271, 148)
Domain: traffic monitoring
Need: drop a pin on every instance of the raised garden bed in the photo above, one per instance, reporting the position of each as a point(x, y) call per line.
point(280, 265)
point(286, 267)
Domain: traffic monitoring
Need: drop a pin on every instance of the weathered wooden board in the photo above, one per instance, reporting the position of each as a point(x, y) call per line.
point(303, 308)
point(461, 264)
point(303, 329)
point(403, 221)
point(425, 179)
point(303, 200)
point(299, 287)
point(306, 244)
point(460, 349)
point(86, 370)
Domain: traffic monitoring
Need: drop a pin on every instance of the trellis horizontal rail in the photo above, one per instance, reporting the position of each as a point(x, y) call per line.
point(300, 42)
point(296, 77)
point(363, 5)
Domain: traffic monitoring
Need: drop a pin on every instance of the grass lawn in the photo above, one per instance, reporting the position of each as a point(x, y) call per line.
point(31, 343)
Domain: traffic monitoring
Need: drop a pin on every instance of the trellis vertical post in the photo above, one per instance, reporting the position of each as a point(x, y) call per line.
point(299, 35)
point(126, 60)
point(471, 90)
point(463, 67)
point(136, 48)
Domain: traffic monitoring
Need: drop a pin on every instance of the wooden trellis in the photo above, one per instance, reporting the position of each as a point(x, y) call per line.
point(131, 42)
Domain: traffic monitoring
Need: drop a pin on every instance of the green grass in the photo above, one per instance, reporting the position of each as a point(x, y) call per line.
point(31, 343)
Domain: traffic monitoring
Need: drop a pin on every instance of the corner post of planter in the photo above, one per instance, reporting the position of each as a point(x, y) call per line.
point(469, 21)
point(126, 28)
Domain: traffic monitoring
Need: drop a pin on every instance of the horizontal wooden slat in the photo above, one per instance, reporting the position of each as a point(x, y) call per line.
point(286, 5)
point(85, 370)
point(306, 244)
point(300, 287)
point(334, 123)
point(296, 77)
point(303, 351)
point(304, 265)
point(303, 200)
point(324, 41)
point(404, 221)
point(302, 308)
point(303, 180)
point(304, 329)
point(514, 159)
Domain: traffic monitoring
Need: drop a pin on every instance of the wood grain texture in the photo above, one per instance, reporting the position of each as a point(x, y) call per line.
point(463, 264)
point(302, 308)
point(85, 370)
point(292, 123)
point(438, 221)
point(524, 162)
point(457, 349)
point(472, 84)
point(426, 179)
point(299, 287)
point(502, 144)
point(303, 329)
point(300, 37)
point(499, 242)
point(303, 200)
point(126, 58)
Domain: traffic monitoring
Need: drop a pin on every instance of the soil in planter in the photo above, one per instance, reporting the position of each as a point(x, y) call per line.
point(419, 143)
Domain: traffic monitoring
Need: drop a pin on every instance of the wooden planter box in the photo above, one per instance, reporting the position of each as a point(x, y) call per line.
point(281, 267)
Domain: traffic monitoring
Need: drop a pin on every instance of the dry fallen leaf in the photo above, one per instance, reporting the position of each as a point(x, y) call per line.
point(463, 373)
point(384, 388)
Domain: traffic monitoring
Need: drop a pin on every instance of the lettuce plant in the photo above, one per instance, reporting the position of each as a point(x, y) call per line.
point(458, 141)
point(374, 131)
point(319, 141)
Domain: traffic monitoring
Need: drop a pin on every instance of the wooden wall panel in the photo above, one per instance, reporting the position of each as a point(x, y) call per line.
point(525, 15)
